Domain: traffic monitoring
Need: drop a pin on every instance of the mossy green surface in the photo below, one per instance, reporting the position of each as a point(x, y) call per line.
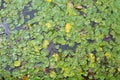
point(54, 40)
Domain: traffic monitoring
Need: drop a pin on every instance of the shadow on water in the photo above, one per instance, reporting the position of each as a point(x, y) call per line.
point(26, 13)
point(51, 48)
point(66, 47)
point(2, 4)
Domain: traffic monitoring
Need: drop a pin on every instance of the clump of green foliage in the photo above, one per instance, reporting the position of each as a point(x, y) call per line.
point(60, 40)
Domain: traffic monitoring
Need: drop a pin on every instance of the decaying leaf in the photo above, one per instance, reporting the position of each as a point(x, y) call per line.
point(25, 77)
point(78, 6)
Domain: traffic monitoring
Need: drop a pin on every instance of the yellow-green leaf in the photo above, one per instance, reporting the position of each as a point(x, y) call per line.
point(108, 55)
point(17, 63)
point(48, 25)
point(49, 1)
point(37, 48)
point(56, 57)
point(45, 43)
point(119, 69)
point(7, 1)
point(68, 27)
point(70, 8)
point(52, 74)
